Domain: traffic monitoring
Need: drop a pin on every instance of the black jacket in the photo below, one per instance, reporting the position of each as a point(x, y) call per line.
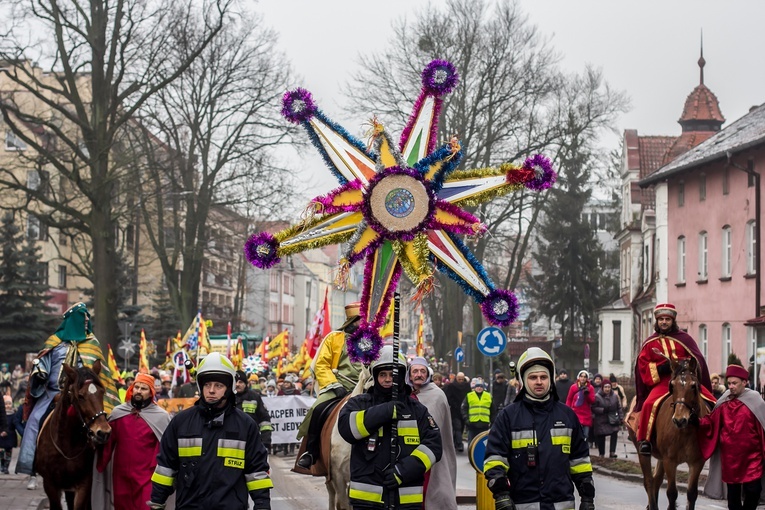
point(365, 422)
point(252, 404)
point(455, 394)
point(212, 465)
point(562, 454)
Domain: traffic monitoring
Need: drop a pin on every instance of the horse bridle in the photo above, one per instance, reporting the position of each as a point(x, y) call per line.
point(85, 424)
point(692, 408)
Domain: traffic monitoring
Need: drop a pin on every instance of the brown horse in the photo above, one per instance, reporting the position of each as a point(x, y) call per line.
point(68, 437)
point(676, 442)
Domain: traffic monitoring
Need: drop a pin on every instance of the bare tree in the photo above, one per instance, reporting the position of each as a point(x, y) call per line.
point(206, 146)
point(512, 101)
point(103, 60)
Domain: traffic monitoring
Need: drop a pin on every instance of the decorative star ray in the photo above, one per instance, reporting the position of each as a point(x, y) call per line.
point(400, 207)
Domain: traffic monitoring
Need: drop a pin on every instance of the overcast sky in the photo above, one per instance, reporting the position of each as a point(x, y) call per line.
point(648, 49)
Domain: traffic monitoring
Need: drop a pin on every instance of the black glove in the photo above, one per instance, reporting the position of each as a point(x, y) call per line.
point(587, 504)
point(502, 501)
point(392, 478)
point(499, 486)
point(586, 390)
point(664, 369)
point(340, 392)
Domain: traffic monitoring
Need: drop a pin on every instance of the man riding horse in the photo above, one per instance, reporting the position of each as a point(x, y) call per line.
point(653, 372)
point(335, 375)
point(75, 344)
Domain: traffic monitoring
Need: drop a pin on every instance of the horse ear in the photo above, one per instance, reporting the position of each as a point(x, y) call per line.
point(97, 367)
point(71, 374)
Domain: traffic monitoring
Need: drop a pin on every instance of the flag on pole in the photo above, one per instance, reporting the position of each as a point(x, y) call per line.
point(278, 346)
point(228, 341)
point(320, 326)
point(113, 366)
point(420, 346)
point(143, 356)
point(197, 337)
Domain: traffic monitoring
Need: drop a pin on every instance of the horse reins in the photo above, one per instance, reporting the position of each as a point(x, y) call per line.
point(85, 424)
point(691, 407)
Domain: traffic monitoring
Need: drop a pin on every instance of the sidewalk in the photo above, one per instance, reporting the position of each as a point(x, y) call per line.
point(626, 451)
point(14, 494)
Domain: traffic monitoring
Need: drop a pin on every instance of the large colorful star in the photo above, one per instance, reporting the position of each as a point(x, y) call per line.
point(400, 207)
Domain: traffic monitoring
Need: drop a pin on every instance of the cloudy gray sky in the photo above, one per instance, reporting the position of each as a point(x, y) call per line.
point(649, 49)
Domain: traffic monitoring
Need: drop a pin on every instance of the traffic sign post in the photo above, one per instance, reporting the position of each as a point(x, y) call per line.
point(491, 342)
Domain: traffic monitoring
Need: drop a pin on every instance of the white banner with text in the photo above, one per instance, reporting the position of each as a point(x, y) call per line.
point(287, 413)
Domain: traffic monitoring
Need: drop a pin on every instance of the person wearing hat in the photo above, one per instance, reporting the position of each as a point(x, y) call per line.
point(456, 391)
point(75, 344)
point(580, 398)
point(366, 420)
point(251, 403)
point(127, 461)
point(477, 411)
point(211, 454)
point(538, 439)
point(335, 375)
point(653, 371)
point(563, 383)
point(733, 435)
point(441, 481)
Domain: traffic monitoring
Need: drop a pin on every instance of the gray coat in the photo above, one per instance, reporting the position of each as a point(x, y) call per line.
point(601, 408)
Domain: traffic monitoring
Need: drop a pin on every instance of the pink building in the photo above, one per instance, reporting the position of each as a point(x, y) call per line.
point(712, 223)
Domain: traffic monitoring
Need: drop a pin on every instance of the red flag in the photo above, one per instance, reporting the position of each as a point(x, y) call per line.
point(320, 327)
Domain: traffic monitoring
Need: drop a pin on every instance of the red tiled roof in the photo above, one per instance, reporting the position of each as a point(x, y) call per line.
point(652, 150)
point(684, 143)
point(701, 104)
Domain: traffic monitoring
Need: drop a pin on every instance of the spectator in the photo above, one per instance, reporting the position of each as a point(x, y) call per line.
point(456, 391)
point(307, 387)
point(498, 393)
point(512, 392)
point(438, 380)
point(165, 386)
point(287, 389)
point(717, 388)
point(563, 384)
point(617, 388)
point(8, 440)
point(252, 405)
point(477, 410)
point(271, 389)
point(580, 398)
point(607, 418)
point(17, 376)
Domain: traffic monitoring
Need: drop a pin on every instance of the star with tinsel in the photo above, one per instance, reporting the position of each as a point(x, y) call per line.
point(400, 207)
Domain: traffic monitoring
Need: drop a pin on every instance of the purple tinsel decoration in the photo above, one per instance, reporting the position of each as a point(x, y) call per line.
point(401, 235)
point(439, 77)
point(298, 105)
point(364, 344)
point(542, 167)
point(261, 250)
point(326, 200)
point(500, 307)
point(465, 216)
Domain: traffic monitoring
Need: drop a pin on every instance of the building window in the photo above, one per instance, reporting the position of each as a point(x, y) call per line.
point(703, 339)
point(274, 281)
point(617, 341)
point(273, 312)
point(726, 251)
point(286, 313)
point(36, 230)
point(726, 181)
point(703, 256)
point(681, 259)
point(726, 342)
point(42, 274)
point(61, 277)
point(14, 143)
point(751, 247)
point(680, 194)
point(287, 287)
point(702, 187)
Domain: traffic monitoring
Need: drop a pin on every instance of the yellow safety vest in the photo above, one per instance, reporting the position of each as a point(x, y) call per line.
point(479, 408)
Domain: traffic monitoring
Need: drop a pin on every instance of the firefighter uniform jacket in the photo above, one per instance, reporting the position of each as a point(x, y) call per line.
point(252, 404)
point(365, 422)
point(551, 432)
point(212, 464)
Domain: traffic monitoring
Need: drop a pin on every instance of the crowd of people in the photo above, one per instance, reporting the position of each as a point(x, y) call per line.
point(540, 426)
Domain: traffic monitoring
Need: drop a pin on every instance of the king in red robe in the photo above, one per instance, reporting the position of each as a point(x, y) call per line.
point(653, 372)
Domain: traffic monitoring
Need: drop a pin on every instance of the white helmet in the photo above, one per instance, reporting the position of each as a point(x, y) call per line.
point(385, 361)
point(535, 356)
point(212, 367)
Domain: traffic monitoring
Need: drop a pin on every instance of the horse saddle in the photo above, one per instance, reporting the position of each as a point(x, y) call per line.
point(327, 418)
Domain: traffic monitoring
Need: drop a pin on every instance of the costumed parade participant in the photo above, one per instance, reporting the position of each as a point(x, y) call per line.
point(251, 403)
point(366, 422)
point(653, 371)
point(538, 439)
point(129, 457)
point(441, 482)
point(75, 344)
point(211, 454)
point(336, 375)
point(733, 435)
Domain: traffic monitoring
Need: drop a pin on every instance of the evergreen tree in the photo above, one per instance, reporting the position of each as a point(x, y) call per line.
point(25, 320)
point(574, 282)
